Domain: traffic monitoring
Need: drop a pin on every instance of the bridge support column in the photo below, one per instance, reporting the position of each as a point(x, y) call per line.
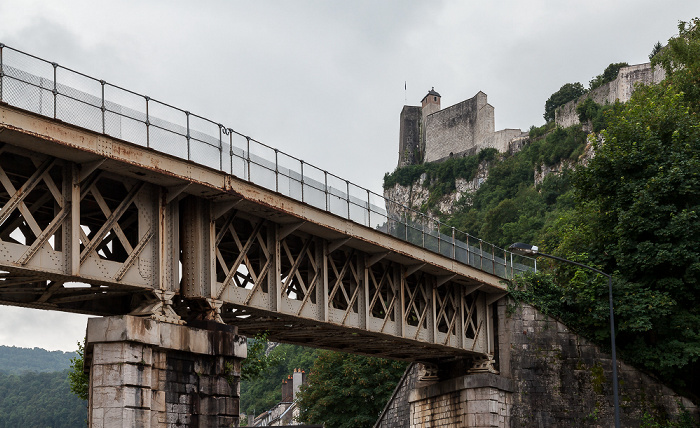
point(476, 400)
point(146, 373)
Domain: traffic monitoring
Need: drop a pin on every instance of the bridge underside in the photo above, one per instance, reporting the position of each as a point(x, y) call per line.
point(95, 225)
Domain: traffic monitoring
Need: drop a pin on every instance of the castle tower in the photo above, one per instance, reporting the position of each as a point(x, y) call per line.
point(430, 102)
point(412, 129)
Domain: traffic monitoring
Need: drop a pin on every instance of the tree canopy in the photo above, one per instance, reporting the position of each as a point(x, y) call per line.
point(348, 391)
point(637, 216)
point(568, 92)
point(608, 75)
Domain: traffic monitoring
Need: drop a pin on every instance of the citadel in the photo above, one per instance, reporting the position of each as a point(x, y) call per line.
point(431, 134)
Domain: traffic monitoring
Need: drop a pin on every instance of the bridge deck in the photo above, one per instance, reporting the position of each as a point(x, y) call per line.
point(154, 234)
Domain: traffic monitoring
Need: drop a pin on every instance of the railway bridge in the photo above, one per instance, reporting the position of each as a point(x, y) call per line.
point(169, 225)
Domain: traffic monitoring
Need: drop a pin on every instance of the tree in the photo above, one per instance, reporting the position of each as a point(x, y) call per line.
point(641, 196)
point(259, 361)
point(655, 50)
point(347, 391)
point(77, 378)
point(681, 61)
point(609, 74)
point(566, 93)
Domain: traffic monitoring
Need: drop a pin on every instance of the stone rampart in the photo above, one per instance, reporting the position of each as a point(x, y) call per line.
point(410, 136)
point(619, 89)
point(457, 128)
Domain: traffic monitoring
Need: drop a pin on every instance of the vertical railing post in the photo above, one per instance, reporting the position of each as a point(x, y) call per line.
point(437, 223)
point(493, 259)
point(55, 89)
point(469, 251)
point(2, 71)
point(347, 194)
point(512, 267)
point(481, 255)
point(277, 172)
point(103, 108)
point(369, 210)
point(189, 153)
point(405, 221)
point(454, 247)
point(221, 148)
point(301, 162)
point(422, 228)
point(230, 148)
point(148, 124)
point(325, 187)
point(247, 155)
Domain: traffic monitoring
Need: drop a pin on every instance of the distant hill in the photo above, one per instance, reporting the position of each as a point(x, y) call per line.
point(34, 389)
point(15, 360)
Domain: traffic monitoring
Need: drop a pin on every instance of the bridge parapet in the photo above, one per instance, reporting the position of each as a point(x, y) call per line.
point(48, 89)
point(98, 223)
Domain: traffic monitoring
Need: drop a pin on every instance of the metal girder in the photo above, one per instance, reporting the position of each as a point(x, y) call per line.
point(244, 261)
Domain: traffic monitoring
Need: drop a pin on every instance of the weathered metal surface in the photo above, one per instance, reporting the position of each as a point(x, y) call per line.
point(248, 255)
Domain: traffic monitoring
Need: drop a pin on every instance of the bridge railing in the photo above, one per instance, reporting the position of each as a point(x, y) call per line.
point(46, 88)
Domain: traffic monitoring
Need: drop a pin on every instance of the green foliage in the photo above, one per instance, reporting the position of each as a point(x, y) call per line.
point(447, 171)
point(608, 75)
point(644, 184)
point(39, 400)
point(507, 207)
point(537, 132)
point(568, 92)
point(590, 111)
point(683, 420)
point(77, 378)
point(263, 392)
point(655, 50)
point(259, 362)
point(348, 391)
point(636, 216)
point(681, 60)
point(15, 360)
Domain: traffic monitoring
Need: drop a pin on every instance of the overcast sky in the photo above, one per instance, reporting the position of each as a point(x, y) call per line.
point(324, 80)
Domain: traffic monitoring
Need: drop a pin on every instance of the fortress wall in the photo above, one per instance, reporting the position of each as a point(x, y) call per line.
point(409, 135)
point(619, 89)
point(485, 125)
point(500, 140)
point(457, 128)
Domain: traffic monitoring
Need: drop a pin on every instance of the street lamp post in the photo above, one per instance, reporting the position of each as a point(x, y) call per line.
point(532, 250)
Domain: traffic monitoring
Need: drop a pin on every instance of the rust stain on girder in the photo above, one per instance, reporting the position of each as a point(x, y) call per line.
point(162, 164)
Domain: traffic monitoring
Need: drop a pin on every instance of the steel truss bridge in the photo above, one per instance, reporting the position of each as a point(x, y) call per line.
point(114, 203)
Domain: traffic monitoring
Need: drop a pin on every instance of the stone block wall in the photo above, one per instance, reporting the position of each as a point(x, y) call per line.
point(478, 400)
point(561, 379)
point(145, 373)
point(410, 136)
point(619, 89)
point(397, 412)
point(549, 377)
point(457, 128)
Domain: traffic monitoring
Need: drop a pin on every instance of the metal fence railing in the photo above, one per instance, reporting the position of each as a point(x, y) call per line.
point(43, 87)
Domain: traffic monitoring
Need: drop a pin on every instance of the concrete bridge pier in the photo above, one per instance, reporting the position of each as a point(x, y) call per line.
point(480, 400)
point(147, 373)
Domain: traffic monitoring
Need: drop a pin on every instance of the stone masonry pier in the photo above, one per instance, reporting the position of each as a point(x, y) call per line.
point(145, 373)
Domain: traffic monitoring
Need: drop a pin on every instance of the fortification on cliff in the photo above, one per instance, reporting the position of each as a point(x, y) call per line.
point(619, 89)
point(430, 134)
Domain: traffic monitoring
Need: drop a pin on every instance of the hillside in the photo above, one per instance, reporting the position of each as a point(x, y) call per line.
point(34, 389)
point(15, 360)
point(623, 198)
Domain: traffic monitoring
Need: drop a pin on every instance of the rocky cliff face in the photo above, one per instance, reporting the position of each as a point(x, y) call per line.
point(417, 194)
